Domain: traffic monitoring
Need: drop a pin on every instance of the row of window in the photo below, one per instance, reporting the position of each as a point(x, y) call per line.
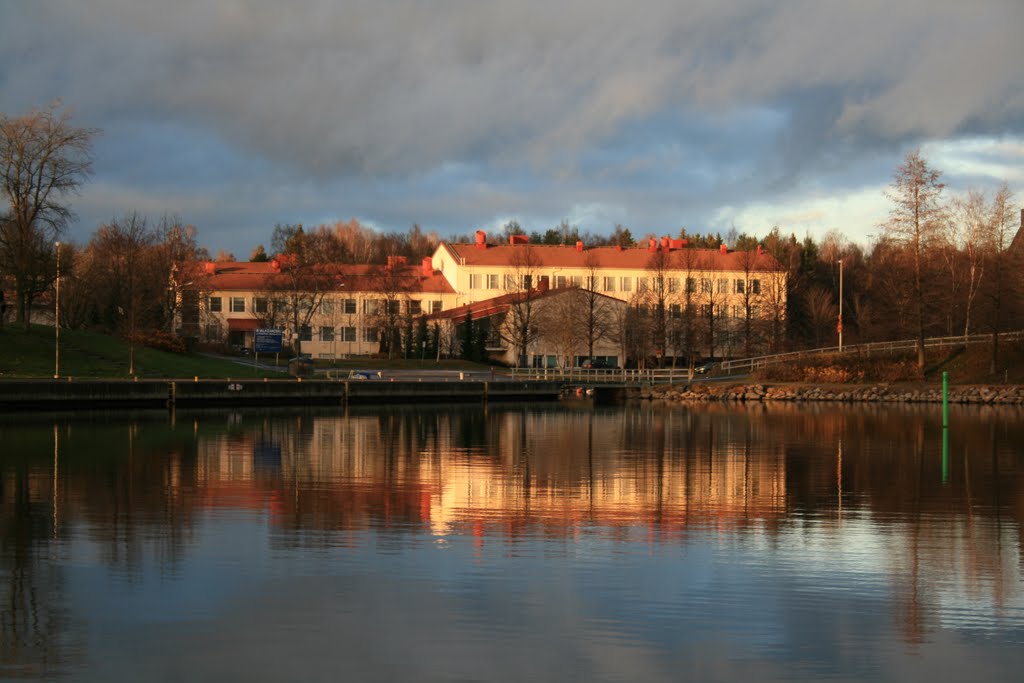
point(672, 285)
point(720, 311)
point(610, 283)
point(214, 332)
point(237, 304)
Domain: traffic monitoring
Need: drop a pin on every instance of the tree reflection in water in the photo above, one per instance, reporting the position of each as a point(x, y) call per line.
point(798, 479)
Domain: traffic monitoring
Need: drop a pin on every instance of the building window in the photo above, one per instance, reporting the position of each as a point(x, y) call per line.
point(348, 334)
point(575, 281)
point(371, 306)
point(755, 286)
point(738, 286)
point(350, 306)
point(394, 307)
point(213, 332)
point(590, 282)
point(326, 334)
point(215, 304)
point(560, 281)
point(626, 284)
point(327, 307)
point(609, 284)
point(691, 285)
point(435, 306)
point(737, 312)
point(706, 286)
point(705, 310)
point(723, 285)
point(305, 333)
point(370, 335)
point(492, 281)
point(474, 280)
point(510, 282)
point(238, 304)
point(415, 307)
point(673, 285)
point(260, 304)
point(527, 281)
point(676, 311)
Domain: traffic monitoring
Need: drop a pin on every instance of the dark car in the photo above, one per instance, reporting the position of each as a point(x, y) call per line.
point(598, 364)
point(704, 368)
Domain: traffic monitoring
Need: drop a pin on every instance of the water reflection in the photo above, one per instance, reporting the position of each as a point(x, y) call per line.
point(823, 504)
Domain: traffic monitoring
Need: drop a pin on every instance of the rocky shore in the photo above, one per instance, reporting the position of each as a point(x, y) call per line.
point(984, 395)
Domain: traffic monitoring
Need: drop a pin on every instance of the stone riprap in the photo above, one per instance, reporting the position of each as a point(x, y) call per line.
point(1001, 395)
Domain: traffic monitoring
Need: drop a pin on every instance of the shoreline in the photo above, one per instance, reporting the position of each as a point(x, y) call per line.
point(983, 394)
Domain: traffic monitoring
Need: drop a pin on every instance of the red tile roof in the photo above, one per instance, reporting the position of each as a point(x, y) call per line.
point(246, 276)
point(632, 258)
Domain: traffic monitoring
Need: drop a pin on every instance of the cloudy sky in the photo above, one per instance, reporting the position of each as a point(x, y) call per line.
point(239, 114)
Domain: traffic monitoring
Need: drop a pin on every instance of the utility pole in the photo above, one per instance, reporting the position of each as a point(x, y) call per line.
point(840, 326)
point(56, 319)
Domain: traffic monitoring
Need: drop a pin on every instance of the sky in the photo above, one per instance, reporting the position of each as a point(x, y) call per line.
point(237, 115)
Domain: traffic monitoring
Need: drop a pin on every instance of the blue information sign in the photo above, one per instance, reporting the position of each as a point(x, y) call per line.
point(267, 341)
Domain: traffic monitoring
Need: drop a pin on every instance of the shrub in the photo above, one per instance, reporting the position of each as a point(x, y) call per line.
point(158, 339)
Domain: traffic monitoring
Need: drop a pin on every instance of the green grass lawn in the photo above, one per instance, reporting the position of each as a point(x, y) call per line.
point(30, 353)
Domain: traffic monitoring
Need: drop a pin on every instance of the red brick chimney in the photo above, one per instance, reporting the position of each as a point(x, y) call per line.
point(428, 266)
point(724, 249)
point(652, 245)
point(579, 246)
point(210, 268)
point(665, 243)
point(481, 239)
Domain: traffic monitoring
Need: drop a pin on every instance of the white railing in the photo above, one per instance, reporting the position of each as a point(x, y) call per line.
point(750, 364)
point(597, 376)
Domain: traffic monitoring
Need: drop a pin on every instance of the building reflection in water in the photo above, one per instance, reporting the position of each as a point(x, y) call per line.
point(806, 485)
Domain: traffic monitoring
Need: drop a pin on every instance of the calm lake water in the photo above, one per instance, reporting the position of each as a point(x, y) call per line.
point(636, 543)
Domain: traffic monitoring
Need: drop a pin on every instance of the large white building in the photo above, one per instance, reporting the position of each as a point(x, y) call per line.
point(715, 298)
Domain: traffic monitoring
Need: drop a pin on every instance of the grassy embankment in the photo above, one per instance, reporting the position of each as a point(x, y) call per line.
point(30, 354)
point(970, 365)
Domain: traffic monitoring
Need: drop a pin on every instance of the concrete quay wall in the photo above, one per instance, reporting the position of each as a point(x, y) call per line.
point(28, 394)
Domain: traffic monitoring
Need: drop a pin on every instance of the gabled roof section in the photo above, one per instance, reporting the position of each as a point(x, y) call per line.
point(629, 258)
point(500, 304)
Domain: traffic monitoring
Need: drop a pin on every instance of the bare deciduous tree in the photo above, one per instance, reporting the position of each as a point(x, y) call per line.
point(1002, 222)
point(520, 328)
point(43, 160)
point(916, 220)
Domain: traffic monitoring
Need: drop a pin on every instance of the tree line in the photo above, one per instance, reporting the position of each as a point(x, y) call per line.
point(939, 264)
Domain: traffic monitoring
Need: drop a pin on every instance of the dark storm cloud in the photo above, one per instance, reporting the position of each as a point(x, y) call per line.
point(590, 97)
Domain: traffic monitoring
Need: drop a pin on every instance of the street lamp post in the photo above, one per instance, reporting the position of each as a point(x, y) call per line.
point(56, 319)
point(840, 326)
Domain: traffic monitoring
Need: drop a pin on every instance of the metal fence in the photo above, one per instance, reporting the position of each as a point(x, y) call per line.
point(873, 348)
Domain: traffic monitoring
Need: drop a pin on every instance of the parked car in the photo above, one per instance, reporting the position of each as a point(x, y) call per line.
point(598, 364)
point(704, 368)
point(363, 374)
